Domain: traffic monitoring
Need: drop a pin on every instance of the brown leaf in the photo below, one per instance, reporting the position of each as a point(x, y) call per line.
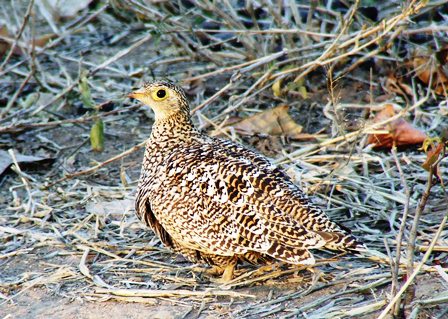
point(434, 148)
point(43, 40)
point(5, 42)
point(275, 121)
point(432, 155)
point(400, 132)
point(5, 45)
point(429, 69)
point(397, 85)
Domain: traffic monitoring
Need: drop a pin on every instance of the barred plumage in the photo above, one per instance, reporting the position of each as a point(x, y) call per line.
point(217, 202)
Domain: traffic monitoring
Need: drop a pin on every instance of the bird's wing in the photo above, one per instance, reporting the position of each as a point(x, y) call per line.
point(146, 215)
point(215, 201)
point(290, 199)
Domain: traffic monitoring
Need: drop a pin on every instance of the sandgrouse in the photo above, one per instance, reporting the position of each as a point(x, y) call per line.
point(217, 202)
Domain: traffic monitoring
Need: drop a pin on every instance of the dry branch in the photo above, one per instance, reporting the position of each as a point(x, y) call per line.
point(171, 293)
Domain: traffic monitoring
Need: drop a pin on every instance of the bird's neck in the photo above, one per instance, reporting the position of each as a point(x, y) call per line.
point(177, 126)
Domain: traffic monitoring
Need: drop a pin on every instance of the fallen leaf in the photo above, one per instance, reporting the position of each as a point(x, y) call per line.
point(277, 88)
point(6, 160)
point(397, 85)
point(298, 85)
point(275, 121)
point(6, 40)
point(97, 136)
point(434, 148)
point(429, 69)
point(44, 39)
point(400, 132)
point(4, 45)
point(432, 155)
point(84, 90)
point(266, 144)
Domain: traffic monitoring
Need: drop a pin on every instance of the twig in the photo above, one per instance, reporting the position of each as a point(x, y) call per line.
point(394, 268)
point(411, 273)
point(171, 293)
point(413, 232)
point(19, 34)
point(116, 57)
point(257, 62)
point(98, 166)
point(267, 31)
point(58, 40)
point(244, 97)
point(212, 98)
point(411, 278)
point(347, 137)
point(325, 58)
point(321, 300)
point(17, 128)
point(402, 225)
point(16, 94)
point(29, 207)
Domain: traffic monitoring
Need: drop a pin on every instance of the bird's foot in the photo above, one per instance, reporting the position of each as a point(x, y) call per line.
point(226, 272)
point(214, 271)
point(318, 275)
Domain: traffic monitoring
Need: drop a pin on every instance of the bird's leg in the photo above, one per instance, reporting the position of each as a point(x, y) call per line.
point(228, 273)
point(317, 275)
point(214, 271)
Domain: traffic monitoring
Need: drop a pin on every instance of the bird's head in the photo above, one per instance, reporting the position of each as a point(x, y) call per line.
point(165, 98)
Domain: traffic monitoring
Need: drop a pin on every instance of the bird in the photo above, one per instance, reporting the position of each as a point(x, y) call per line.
point(219, 203)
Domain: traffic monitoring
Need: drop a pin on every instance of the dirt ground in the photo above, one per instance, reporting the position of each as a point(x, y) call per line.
point(70, 244)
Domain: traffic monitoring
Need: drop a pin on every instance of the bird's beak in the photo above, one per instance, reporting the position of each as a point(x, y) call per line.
point(137, 94)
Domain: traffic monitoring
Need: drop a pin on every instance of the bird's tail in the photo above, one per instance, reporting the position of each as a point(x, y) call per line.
point(340, 241)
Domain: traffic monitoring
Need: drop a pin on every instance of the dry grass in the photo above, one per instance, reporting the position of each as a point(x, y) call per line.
point(74, 222)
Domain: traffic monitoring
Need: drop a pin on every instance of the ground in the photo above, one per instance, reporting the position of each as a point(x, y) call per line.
point(70, 244)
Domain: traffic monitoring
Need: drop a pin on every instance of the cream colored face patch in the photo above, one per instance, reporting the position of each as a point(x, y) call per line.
point(160, 98)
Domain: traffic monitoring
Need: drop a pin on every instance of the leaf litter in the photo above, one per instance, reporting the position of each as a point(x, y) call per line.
point(274, 122)
point(69, 230)
point(399, 131)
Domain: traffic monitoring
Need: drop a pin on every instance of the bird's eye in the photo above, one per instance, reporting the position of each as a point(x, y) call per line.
point(160, 95)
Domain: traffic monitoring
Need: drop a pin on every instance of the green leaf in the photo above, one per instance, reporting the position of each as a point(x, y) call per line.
point(97, 136)
point(30, 100)
point(84, 89)
point(277, 88)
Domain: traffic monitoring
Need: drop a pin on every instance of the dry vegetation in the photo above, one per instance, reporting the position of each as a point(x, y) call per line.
point(304, 83)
